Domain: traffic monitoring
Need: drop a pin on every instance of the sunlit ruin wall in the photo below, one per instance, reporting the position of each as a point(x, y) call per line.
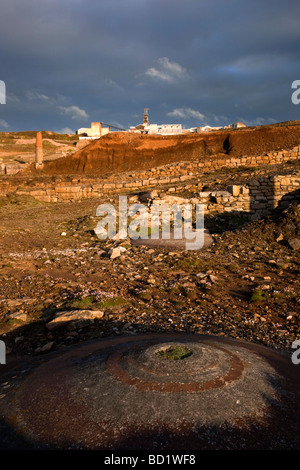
point(257, 196)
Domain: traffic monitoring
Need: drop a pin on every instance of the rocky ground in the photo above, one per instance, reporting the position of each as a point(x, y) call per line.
point(61, 285)
point(20, 146)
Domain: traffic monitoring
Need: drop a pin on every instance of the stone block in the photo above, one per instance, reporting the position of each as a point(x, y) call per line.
point(38, 192)
point(184, 177)
point(234, 190)
point(204, 194)
point(44, 198)
point(244, 190)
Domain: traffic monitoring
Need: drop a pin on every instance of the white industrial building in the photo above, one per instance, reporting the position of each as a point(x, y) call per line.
point(163, 129)
point(156, 129)
point(94, 132)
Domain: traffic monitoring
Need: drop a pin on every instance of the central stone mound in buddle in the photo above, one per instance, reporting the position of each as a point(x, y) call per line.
point(160, 391)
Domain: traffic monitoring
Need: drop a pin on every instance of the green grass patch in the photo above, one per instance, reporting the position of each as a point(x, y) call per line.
point(90, 302)
point(83, 303)
point(259, 296)
point(189, 264)
point(284, 295)
point(48, 145)
point(174, 353)
point(18, 200)
point(113, 303)
point(145, 296)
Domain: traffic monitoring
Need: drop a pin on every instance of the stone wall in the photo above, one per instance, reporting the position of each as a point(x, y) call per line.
point(257, 196)
point(11, 168)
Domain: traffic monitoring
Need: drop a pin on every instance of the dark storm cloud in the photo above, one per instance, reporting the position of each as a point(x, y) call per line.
point(69, 62)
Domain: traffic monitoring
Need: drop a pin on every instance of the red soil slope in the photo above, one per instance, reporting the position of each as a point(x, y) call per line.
point(122, 151)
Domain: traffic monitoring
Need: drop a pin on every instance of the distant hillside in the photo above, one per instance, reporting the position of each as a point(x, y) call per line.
point(123, 151)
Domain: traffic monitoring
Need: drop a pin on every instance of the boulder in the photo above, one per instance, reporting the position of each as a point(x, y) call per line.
point(294, 243)
point(61, 318)
point(116, 252)
point(148, 196)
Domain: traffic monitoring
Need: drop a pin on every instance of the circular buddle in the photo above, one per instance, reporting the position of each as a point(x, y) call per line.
point(156, 392)
point(142, 368)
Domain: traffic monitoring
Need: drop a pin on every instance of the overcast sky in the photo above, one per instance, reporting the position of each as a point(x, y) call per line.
point(67, 63)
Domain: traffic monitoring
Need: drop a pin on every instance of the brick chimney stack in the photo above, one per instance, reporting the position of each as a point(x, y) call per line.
point(39, 150)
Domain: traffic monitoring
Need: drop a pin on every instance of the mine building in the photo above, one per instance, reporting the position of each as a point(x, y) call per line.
point(155, 129)
point(94, 132)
